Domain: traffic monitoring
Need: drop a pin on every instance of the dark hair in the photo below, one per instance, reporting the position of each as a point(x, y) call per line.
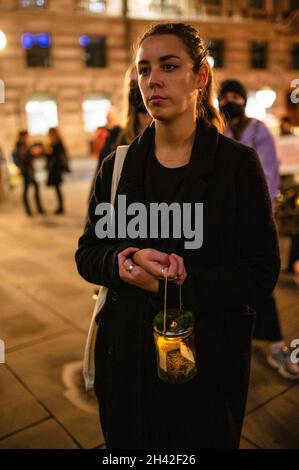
point(198, 51)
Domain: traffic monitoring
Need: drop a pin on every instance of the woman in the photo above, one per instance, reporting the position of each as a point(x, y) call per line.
point(57, 164)
point(180, 157)
point(23, 156)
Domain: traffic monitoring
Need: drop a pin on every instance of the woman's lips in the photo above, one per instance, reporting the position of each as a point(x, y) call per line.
point(156, 99)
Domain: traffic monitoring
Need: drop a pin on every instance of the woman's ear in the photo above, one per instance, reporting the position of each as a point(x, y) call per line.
point(202, 76)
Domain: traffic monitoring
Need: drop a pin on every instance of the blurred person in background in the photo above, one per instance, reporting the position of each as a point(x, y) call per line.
point(102, 133)
point(252, 132)
point(136, 119)
point(136, 116)
point(286, 127)
point(23, 156)
point(57, 164)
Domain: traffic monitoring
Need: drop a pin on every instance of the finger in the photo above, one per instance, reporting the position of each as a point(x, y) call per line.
point(123, 255)
point(172, 270)
point(180, 262)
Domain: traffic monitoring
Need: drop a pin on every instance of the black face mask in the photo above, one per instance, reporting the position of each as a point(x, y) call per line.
point(232, 110)
point(135, 99)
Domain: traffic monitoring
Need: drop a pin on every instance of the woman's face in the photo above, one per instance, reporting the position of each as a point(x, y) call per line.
point(166, 78)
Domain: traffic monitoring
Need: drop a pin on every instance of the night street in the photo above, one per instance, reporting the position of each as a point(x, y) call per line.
point(45, 310)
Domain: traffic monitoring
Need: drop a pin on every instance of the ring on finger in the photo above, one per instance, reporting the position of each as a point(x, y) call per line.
point(130, 268)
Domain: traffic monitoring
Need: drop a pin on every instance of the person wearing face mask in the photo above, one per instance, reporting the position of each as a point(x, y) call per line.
point(136, 117)
point(253, 133)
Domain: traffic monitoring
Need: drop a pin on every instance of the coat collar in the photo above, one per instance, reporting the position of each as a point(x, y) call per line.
point(202, 164)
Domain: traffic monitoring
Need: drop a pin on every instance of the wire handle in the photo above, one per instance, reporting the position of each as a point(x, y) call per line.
point(165, 303)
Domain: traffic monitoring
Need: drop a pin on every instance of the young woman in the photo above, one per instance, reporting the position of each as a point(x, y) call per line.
point(23, 156)
point(57, 164)
point(181, 157)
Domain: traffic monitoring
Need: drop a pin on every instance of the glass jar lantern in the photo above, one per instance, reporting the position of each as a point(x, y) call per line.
point(174, 342)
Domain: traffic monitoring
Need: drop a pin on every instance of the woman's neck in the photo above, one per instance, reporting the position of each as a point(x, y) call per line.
point(174, 141)
point(144, 120)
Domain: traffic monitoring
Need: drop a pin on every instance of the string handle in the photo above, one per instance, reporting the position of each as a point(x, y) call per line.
point(165, 303)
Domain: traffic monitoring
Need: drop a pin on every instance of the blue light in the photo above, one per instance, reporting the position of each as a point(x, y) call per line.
point(27, 40)
point(84, 41)
point(43, 40)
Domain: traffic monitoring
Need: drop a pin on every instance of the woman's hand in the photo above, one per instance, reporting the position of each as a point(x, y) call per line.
point(134, 274)
point(160, 264)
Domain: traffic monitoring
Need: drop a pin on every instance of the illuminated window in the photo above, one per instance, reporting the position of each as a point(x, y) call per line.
point(94, 6)
point(94, 48)
point(95, 107)
point(38, 49)
point(41, 110)
point(33, 3)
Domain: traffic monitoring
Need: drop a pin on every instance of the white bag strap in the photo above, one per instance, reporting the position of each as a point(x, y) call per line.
point(120, 156)
point(88, 360)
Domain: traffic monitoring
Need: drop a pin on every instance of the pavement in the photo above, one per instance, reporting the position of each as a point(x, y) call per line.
point(45, 311)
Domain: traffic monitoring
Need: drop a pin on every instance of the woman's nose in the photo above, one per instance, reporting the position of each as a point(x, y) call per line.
point(155, 78)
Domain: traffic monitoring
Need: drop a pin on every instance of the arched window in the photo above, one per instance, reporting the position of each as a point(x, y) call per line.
point(41, 110)
point(95, 107)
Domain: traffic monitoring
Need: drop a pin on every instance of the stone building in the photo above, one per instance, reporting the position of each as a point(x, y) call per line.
point(65, 60)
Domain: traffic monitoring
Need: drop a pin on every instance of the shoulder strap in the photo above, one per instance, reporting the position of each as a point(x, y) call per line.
point(120, 156)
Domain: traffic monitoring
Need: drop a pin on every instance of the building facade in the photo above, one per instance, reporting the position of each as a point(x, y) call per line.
point(64, 61)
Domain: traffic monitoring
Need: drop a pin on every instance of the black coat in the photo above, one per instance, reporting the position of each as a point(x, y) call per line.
point(56, 164)
point(237, 265)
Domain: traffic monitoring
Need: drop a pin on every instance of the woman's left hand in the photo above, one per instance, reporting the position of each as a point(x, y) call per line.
point(133, 274)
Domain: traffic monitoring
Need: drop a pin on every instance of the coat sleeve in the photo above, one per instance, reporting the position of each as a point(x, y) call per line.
point(254, 271)
point(96, 258)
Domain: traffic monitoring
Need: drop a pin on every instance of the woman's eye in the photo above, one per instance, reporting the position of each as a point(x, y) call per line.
point(169, 67)
point(143, 71)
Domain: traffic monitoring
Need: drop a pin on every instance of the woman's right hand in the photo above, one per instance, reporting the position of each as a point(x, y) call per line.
point(160, 264)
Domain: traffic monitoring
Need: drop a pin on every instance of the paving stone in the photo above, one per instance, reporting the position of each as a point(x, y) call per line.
point(18, 408)
point(244, 444)
point(276, 424)
point(265, 382)
point(53, 382)
point(46, 435)
point(24, 320)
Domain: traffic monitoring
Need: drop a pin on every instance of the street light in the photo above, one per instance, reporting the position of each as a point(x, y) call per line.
point(3, 40)
point(266, 97)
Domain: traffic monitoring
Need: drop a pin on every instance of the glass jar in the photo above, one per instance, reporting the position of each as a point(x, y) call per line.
point(175, 349)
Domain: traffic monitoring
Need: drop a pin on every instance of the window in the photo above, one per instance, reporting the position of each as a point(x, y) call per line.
point(256, 4)
point(217, 52)
point(295, 56)
point(37, 48)
point(95, 107)
point(41, 110)
point(294, 4)
point(33, 3)
point(94, 48)
point(259, 55)
point(214, 3)
point(93, 6)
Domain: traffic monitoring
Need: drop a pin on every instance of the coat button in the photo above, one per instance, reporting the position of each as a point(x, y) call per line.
point(114, 296)
point(110, 350)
